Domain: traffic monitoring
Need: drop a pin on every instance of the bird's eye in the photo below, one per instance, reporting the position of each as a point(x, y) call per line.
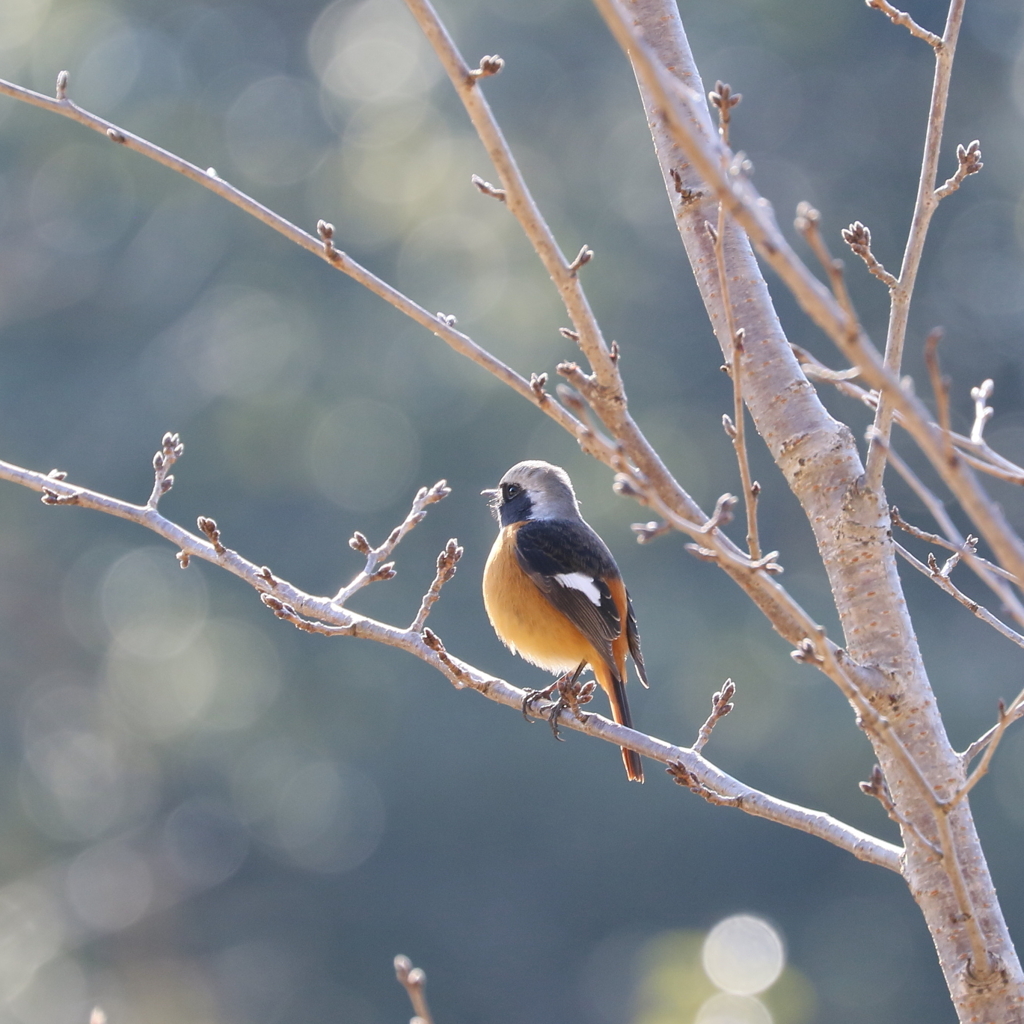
point(509, 491)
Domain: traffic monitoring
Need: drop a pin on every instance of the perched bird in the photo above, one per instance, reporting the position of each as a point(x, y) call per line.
point(553, 592)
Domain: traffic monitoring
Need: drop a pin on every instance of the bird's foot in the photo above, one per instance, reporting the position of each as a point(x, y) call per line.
point(532, 696)
point(572, 695)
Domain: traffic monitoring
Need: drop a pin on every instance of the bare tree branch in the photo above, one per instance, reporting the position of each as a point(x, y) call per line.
point(723, 99)
point(691, 158)
point(678, 107)
point(898, 17)
point(325, 615)
point(927, 201)
point(322, 246)
point(921, 776)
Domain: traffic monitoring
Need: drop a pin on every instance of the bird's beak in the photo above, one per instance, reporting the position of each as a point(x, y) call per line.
point(493, 496)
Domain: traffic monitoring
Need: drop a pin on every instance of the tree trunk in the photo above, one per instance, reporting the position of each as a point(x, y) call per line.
point(851, 525)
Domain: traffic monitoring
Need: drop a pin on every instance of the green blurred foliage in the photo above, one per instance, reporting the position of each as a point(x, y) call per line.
point(211, 817)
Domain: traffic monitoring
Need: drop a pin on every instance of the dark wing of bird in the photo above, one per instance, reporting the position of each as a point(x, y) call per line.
point(633, 635)
point(570, 564)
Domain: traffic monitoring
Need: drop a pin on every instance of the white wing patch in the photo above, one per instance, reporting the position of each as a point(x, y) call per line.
point(581, 582)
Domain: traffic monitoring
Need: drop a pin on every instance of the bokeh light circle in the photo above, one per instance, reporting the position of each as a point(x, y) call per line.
point(743, 955)
point(723, 1008)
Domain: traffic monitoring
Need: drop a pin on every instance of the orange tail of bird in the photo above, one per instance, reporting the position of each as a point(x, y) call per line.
point(612, 684)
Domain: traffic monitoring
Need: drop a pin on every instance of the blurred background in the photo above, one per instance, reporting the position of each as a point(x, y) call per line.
point(211, 817)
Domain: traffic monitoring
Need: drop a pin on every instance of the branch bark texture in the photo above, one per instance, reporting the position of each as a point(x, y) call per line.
point(820, 461)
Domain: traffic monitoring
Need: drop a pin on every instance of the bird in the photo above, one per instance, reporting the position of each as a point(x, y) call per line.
point(553, 592)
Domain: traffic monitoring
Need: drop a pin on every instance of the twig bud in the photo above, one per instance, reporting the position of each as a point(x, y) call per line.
point(807, 218)
point(488, 189)
point(856, 235)
point(209, 528)
point(585, 255)
point(489, 65)
point(623, 487)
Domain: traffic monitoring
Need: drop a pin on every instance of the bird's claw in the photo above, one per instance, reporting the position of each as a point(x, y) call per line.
point(532, 696)
point(571, 695)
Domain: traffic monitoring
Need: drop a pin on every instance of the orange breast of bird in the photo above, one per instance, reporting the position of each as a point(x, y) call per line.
point(527, 623)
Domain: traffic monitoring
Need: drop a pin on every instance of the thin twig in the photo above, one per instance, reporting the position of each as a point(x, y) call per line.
point(945, 583)
point(858, 238)
point(968, 163)
point(940, 387)
point(898, 17)
point(517, 195)
point(982, 412)
point(376, 569)
point(724, 99)
point(171, 449)
point(989, 741)
point(1005, 717)
point(414, 980)
point(877, 787)
point(808, 223)
point(721, 705)
point(987, 465)
point(925, 204)
point(976, 453)
point(736, 429)
point(1016, 712)
point(938, 512)
point(446, 562)
point(969, 546)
